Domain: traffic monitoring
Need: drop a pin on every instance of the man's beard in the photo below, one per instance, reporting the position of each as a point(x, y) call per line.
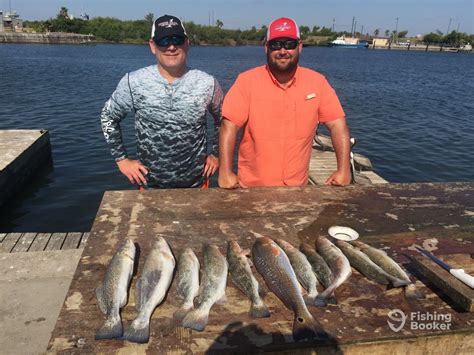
point(283, 68)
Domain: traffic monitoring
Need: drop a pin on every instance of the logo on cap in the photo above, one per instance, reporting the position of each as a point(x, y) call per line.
point(283, 27)
point(170, 23)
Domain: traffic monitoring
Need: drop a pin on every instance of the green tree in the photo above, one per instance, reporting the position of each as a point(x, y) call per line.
point(63, 13)
point(387, 33)
point(149, 18)
point(219, 23)
point(431, 38)
point(376, 32)
point(402, 34)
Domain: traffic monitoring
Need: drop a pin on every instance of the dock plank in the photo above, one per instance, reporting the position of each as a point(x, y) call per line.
point(56, 241)
point(9, 242)
point(85, 236)
point(72, 240)
point(40, 242)
point(24, 242)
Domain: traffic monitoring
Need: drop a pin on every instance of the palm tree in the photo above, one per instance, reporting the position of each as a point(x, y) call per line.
point(376, 32)
point(63, 12)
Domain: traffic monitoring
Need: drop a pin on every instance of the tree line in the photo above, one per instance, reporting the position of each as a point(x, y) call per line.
point(138, 31)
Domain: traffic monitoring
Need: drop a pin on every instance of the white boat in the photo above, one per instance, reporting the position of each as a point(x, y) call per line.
point(349, 42)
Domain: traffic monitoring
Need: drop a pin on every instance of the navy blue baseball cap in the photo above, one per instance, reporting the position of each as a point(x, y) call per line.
point(167, 26)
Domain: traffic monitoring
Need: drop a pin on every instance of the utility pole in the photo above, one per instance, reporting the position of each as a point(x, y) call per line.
point(362, 31)
point(449, 25)
point(396, 32)
point(352, 28)
point(333, 24)
point(10, 6)
point(355, 29)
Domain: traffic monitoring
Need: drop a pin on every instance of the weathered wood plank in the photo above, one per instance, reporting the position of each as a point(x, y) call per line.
point(56, 241)
point(85, 236)
point(9, 242)
point(24, 242)
point(454, 289)
point(72, 240)
point(40, 242)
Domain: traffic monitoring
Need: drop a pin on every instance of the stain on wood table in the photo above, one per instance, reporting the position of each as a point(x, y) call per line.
point(394, 217)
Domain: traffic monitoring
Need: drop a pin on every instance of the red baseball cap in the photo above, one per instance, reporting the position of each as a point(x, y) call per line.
point(283, 27)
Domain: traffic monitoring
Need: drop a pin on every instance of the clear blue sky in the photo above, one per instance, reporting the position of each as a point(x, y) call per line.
point(415, 16)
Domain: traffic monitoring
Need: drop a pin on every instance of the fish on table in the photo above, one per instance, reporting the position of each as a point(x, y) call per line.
point(340, 268)
point(151, 289)
point(303, 270)
point(242, 276)
point(382, 259)
point(275, 267)
point(112, 293)
point(212, 288)
point(319, 265)
point(187, 281)
point(362, 263)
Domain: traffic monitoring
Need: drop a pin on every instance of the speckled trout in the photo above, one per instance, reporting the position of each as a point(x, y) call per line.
point(112, 293)
point(381, 258)
point(242, 276)
point(187, 281)
point(212, 289)
point(340, 267)
point(275, 267)
point(319, 265)
point(303, 270)
point(362, 263)
point(151, 289)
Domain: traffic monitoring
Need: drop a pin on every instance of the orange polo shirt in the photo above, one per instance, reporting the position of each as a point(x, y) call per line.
point(279, 124)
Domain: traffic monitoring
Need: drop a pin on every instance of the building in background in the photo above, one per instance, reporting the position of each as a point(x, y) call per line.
point(10, 22)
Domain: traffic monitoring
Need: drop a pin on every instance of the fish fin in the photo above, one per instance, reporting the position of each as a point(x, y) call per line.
point(222, 300)
point(181, 312)
point(245, 252)
point(412, 293)
point(99, 294)
point(323, 301)
point(196, 319)
point(305, 327)
point(259, 310)
point(111, 329)
point(137, 335)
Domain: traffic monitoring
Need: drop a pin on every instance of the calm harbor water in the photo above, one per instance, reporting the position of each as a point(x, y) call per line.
point(411, 111)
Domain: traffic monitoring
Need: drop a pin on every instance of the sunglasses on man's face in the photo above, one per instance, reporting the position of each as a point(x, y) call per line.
point(174, 40)
point(288, 44)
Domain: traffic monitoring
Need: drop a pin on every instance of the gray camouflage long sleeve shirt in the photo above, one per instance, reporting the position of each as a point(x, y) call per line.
point(170, 123)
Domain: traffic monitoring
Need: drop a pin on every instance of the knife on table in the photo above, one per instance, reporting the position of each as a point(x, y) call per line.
point(460, 274)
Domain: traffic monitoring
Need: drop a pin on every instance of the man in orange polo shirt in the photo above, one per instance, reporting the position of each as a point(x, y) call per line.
point(279, 106)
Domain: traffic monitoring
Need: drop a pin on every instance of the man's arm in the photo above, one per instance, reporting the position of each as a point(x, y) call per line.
point(340, 141)
point(114, 111)
point(215, 109)
point(227, 139)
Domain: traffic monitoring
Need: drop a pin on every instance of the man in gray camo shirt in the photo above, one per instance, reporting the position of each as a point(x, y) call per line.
point(170, 102)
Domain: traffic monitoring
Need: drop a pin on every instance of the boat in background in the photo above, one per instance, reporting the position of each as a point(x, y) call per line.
point(349, 42)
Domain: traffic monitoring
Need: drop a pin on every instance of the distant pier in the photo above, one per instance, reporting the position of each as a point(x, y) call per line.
point(46, 38)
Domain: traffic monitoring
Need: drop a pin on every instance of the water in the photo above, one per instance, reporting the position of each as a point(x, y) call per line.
point(411, 111)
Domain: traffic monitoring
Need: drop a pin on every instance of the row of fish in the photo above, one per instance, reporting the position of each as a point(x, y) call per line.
point(282, 266)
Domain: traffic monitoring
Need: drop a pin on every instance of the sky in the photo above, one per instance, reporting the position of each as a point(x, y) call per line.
point(414, 16)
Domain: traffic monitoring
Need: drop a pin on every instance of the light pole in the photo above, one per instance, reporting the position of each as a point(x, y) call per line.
point(396, 32)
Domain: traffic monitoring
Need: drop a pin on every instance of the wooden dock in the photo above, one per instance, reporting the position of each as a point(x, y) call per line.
point(31, 242)
point(22, 153)
point(395, 217)
point(323, 164)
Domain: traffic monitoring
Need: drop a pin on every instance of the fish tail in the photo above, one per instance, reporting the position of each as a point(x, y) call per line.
point(259, 310)
point(185, 309)
point(323, 299)
point(399, 282)
point(135, 334)
point(310, 299)
point(305, 327)
point(411, 292)
point(196, 319)
point(112, 328)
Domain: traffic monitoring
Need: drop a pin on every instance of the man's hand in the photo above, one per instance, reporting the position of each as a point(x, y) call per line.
point(228, 181)
point(339, 178)
point(133, 170)
point(210, 167)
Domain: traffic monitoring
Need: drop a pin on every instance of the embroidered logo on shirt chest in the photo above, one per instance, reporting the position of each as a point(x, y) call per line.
point(310, 96)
